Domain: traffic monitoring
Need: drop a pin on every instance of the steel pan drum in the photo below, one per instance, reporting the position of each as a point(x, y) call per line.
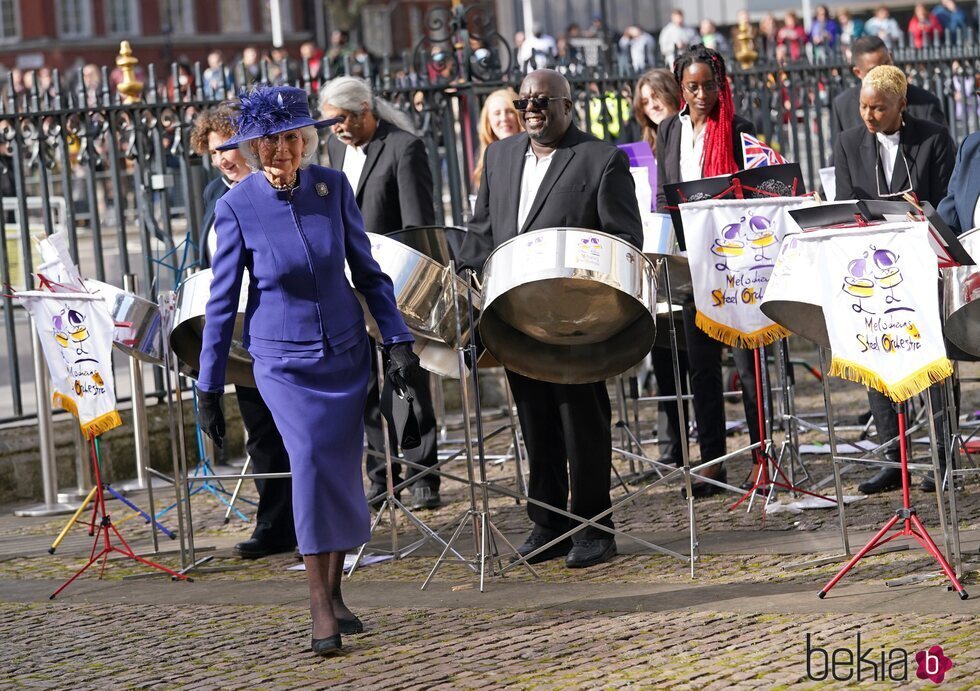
point(962, 298)
point(137, 322)
point(441, 243)
point(423, 292)
point(791, 299)
point(187, 334)
point(568, 305)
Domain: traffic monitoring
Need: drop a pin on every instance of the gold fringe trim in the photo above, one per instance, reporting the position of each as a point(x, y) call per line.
point(93, 428)
point(917, 382)
point(739, 339)
point(101, 424)
point(65, 402)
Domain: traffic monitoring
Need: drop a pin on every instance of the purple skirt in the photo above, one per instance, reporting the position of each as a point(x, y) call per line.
point(318, 403)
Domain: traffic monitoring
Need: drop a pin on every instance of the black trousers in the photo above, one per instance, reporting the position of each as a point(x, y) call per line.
point(885, 415)
point(274, 516)
point(569, 446)
point(425, 454)
point(704, 363)
point(669, 435)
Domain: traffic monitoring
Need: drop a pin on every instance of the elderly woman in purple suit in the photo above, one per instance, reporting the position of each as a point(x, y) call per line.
point(292, 226)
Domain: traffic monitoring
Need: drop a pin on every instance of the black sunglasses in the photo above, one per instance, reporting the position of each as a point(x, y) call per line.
point(539, 102)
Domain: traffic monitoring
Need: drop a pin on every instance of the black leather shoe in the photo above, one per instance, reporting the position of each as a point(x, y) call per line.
point(325, 647)
point(351, 626)
point(256, 549)
point(535, 540)
point(425, 498)
point(590, 552)
point(702, 490)
point(887, 479)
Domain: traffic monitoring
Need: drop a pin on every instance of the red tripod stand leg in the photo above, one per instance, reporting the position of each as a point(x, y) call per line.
point(857, 557)
point(926, 541)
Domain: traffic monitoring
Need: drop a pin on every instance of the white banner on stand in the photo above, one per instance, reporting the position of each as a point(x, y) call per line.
point(882, 308)
point(732, 246)
point(75, 331)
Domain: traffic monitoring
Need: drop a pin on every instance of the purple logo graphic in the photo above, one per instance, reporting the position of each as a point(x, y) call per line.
point(755, 233)
point(933, 664)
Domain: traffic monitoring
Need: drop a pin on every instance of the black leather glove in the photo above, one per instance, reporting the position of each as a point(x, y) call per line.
point(210, 417)
point(402, 363)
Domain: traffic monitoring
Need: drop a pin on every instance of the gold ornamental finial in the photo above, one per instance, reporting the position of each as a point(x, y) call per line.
point(745, 51)
point(129, 87)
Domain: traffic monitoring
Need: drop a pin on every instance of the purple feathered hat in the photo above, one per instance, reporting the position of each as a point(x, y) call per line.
point(268, 110)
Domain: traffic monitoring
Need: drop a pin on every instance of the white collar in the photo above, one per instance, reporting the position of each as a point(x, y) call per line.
point(889, 138)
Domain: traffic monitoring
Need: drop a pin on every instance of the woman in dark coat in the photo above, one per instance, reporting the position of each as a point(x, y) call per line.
point(293, 227)
point(704, 140)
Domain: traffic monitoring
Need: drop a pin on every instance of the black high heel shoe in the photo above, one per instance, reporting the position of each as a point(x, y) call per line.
point(325, 647)
point(351, 626)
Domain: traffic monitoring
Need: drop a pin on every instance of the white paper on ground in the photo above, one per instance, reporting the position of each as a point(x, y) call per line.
point(349, 558)
point(810, 503)
point(861, 445)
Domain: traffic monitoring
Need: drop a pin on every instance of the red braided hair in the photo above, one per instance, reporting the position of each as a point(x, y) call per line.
point(719, 158)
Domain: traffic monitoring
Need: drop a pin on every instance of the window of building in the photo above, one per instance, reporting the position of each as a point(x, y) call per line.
point(122, 17)
point(177, 15)
point(235, 17)
point(74, 18)
point(285, 10)
point(8, 20)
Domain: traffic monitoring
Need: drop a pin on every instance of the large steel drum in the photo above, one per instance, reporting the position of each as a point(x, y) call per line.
point(660, 246)
point(187, 334)
point(441, 243)
point(423, 292)
point(137, 322)
point(568, 305)
point(792, 298)
point(962, 298)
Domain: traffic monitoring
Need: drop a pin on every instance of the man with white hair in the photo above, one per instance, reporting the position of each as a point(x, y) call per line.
point(388, 168)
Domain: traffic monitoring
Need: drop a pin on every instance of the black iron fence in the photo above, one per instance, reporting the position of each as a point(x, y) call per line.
point(121, 179)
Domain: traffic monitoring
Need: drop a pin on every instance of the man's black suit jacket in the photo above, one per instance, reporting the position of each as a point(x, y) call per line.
point(669, 151)
point(212, 193)
point(926, 146)
point(395, 188)
point(588, 185)
point(846, 112)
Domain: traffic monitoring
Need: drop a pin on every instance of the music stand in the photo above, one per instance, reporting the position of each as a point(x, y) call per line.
point(911, 525)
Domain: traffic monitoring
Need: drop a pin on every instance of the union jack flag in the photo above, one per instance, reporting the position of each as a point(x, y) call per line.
point(756, 154)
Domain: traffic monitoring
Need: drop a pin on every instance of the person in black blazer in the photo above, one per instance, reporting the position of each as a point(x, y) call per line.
point(867, 53)
point(959, 207)
point(701, 141)
point(274, 529)
point(388, 168)
point(918, 158)
point(587, 184)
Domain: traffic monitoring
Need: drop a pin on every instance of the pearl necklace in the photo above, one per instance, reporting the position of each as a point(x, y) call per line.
point(288, 186)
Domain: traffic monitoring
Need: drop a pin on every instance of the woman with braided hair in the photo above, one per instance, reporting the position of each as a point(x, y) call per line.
point(704, 140)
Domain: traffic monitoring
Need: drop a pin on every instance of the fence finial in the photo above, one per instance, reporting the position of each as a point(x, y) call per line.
point(129, 87)
point(745, 51)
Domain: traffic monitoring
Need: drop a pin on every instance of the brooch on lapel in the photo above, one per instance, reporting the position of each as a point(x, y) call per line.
point(321, 189)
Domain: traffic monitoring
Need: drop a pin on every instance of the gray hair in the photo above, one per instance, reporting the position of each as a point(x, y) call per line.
point(351, 93)
point(310, 144)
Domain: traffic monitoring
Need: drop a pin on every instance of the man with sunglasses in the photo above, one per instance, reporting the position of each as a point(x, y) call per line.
point(555, 175)
point(891, 155)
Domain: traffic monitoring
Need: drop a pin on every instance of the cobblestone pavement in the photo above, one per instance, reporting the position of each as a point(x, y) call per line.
point(637, 621)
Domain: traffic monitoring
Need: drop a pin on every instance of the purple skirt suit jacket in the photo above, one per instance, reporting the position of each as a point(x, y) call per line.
point(305, 330)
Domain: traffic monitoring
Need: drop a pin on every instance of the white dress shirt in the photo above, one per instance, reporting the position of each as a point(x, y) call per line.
point(976, 214)
point(354, 160)
point(534, 172)
point(888, 153)
point(692, 148)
